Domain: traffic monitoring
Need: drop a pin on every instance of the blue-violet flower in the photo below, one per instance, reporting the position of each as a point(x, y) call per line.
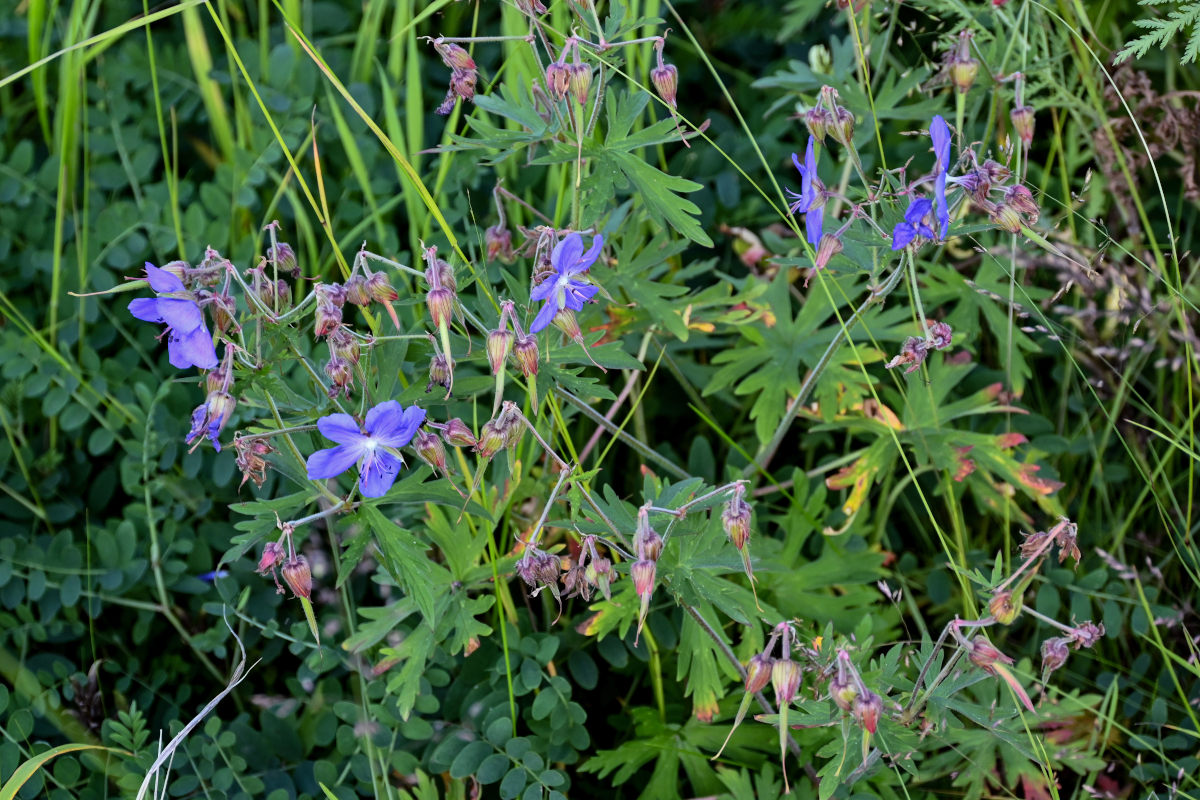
point(373, 447)
point(189, 344)
point(915, 223)
point(811, 199)
point(939, 132)
point(560, 290)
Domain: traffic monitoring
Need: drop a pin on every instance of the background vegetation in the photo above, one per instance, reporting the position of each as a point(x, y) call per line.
point(885, 504)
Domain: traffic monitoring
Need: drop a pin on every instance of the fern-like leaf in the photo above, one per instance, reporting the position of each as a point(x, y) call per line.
point(1163, 30)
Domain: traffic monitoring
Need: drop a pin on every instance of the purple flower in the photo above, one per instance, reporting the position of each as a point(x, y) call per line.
point(810, 199)
point(209, 418)
point(373, 447)
point(189, 344)
point(559, 290)
point(915, 223)
point(939, 132)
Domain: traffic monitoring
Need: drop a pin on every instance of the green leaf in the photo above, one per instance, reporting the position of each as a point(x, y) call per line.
point(26, 770)
point(404, 559)
point(657, 191)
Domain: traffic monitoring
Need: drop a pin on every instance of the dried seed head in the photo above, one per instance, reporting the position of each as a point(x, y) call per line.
point(457, 433)
point(939, 335)
point(298, 576)
point(665, 78)
point(525, 350)
point(1087, 634)
point(758, 672)
point(785, 678)
point(499, 345)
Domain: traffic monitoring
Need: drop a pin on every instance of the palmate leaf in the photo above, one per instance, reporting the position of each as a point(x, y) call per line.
point(658, 192)
point(404, 559)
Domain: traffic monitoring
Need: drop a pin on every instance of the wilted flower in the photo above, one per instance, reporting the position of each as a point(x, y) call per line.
point(811, 199)
point(1054, 654)
point(1086, 634)
point(498, 241)
point(913, 352)
point(272, 557)
point(373, 447)
point(209, 418)
point(189, 344)
point(251, 458)
point(560, 290)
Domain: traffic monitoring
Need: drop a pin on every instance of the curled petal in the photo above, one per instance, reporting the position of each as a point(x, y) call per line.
point(162, 281)
point(340, 428)
point(939, 132)
point(331, 462)
point(379, 472)
point(813, 222)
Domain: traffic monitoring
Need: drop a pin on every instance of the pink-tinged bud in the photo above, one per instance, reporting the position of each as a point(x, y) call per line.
point(440, 303)
point(866, 710)
point(558, 80)
point(995, 171)
point(439, 373)
point(272, 556)
point(666, 82)
point(380, 289)
point(343, 344)
point(531, 6)
point(1005, 607)
point(828, 247)
point(963, 72)
point(332, 293)
point(1007, 441)
point(328, 317)
point(499, 345)
point(940, 335)
point(223, 309)
point(1054, 654)
point(430, 449)
point(818, 119)
point(758, 672)
point(457, 433)
point(219, 379)
point(356, 291)
point(566, 322)
point(643, 573)
point(785, 678)
point(1023, 123)
point(525, 351)
point(511, 427)
point(1005, 217)
point(646, 541)
point(491, 440)
point(843, 690)
point(285, 258)
point(440, 274)
point(498, 241)
point(179, 269)
point(842, 129)
point(579, 81)
point(1087, 634)
point(1021, 199)
point(735, 518)
point(454, 56)
point(298, 576)
point(341, 376)
point(984, 655)
point(599, 573)
point(283, 294)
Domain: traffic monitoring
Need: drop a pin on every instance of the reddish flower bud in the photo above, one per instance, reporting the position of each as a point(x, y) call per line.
point(440, 302)
point(380, 289)
point(272, 556)
point(665, 78)
point(842, 129)
point(735, 518)
point(298, 576)
point(498, 241)
point(283, 294)
point(454, 56)
point(332, 293)
point(356, 291)
point(758, 672)
point(328, 318)
point(984, 655)
point(525, 350)
point(458, 434)
point(499, 345)
point(341, 376)
point(285, 258)
point(491, 440)
point(1023, 123)
point(828, 247)
point(430, 449)
point(843, 690)
point(785, 678)
point(343, 344)
point(817, 120)
point(558, 80)
point(643, 573)
point(866, 710)
point(1005, 217)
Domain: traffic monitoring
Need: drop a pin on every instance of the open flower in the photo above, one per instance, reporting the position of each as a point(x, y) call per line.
point(189, 344)
point(916, 223)
point(939, 132)
point(810, 200)
point(559, 289)
point(388, 426)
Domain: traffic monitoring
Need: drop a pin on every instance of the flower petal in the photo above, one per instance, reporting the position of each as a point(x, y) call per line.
point(943, 212)
point(191, 349)
point(544, 317)
point(566, 253)
point(939, 132)
point(145, 308)
point(162, 281)
point(341, 428)
point(182, 315)
point(393, 425)
point(587, 259)
point(331, 462)
point(813, 222)
point(810, 160)
point(543, 290)
point(902, 234)
point(379, 472)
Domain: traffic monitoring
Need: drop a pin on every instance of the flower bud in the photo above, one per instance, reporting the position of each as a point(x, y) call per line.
point(525, 351)
point(498, 241)
point(785, 678)
point(579, 80)
point(558, 80)
point(1054, 654)
point(599, 573)
point(439, 373)
point(828, 247)
point(984, 654)
point(646, 541)
point(491, 440)
point(1021, 199)
point(457, 433)
point(643, 573)
point(343, 344)
point(380, 289)
point(758, 672)
point(963, 72)
point(866, 710)
point(356, 291)
point(283, 294)
point(272, 556)
point(736, 520)
point(440, 302)
point(995, 171)
point(1006, 218)
point(818, 119)
point(842, 129)
point(341, 376)
point(179, 269)
point(223, 309)
point(298, 576)
point(566, 322)
point(1023, 123)
point(665, 78)
point(284, 257)
point(454, 56)
point(499, 345)
point(430, 449)
point(1004, 607)
point(842, 690)
point(328, 318)
point(332, 293)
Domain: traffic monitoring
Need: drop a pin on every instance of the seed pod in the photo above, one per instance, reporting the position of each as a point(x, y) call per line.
point(1021, 199)
point(1005, 607)
point(984, 654)
point(440, 302)
point(179, 269)
point(457, 433)
point(344, 345)
point(491, 440)
point(356, 291)
point(963, 72)
point(341, 376)
point(785, 678)
point(439, 373)
point(566, 322)
point(454, 56)
point(665, 78)
point(866, 710)
point(842, 690)
point(298, 576)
